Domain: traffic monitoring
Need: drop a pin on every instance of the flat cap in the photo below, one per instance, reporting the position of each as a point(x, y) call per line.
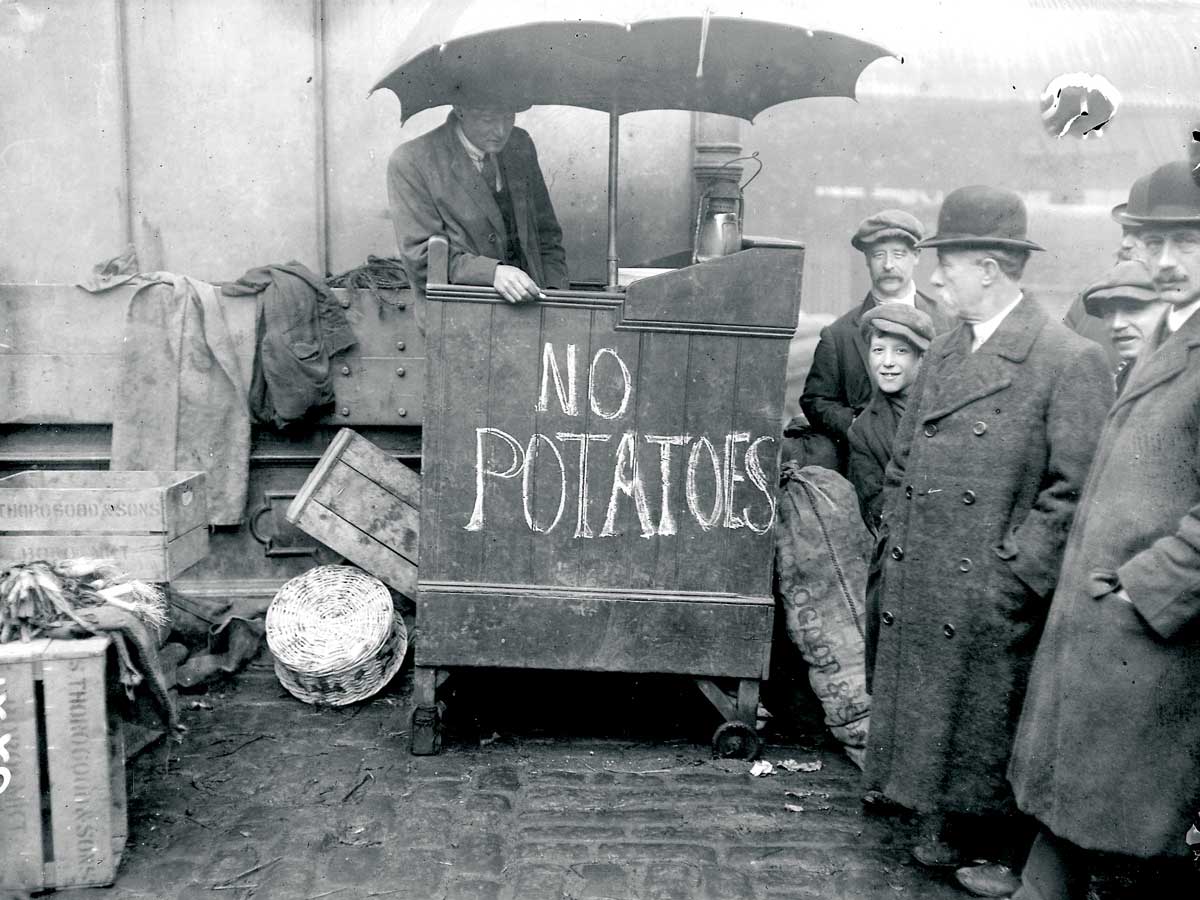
point(889, 223)
point(900, 319)
point(1127, 280)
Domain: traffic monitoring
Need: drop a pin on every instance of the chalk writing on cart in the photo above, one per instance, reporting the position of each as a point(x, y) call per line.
point(712, 467)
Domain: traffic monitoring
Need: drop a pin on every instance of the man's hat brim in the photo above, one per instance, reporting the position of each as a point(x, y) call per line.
point(1096, 302)
point(884, 234)
point(1121, 215)
point(977, 242)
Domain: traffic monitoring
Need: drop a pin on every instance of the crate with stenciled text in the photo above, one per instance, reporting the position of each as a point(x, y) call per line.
point(62, 766)
point(153, 524)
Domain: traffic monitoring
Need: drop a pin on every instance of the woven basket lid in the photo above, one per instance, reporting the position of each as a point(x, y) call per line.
point(329, 619)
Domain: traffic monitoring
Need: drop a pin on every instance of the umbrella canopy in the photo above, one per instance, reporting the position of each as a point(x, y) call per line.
point(732, 65)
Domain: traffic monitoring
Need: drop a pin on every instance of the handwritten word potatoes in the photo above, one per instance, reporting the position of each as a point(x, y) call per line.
point(725, 484)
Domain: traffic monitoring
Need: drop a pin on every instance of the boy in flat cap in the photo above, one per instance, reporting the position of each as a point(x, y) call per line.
point(1127, 301)
point(839, 386)
point(1107, 755)
point(987, 466)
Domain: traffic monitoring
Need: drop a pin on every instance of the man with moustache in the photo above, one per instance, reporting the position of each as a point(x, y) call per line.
point(1107, 755)
point(1127, 303)
point(987, 466)
point(839, 385)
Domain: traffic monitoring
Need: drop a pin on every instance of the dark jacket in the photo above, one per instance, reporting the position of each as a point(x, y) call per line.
point(1107, 755)
point(433, 188)
point(870, 448)
point(987, 467)
point(300, 325)
point(839, 384)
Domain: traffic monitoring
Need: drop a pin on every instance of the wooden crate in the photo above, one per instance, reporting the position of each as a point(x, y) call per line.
point(62, 767)
point(366, 506)
point(154, 524)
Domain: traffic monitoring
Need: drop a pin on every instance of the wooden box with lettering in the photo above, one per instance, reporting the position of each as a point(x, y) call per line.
point(365, 505)
point(62, 767)
point(154, 524)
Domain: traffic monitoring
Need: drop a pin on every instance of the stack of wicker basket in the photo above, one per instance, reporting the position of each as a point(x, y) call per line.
point(335, 636)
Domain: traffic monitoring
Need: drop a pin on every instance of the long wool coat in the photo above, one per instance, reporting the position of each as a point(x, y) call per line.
point(988, 464)
point(1107, 755)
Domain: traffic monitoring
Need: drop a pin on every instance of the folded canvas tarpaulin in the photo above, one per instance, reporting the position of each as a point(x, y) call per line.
point(821, 552)
point(300, 326)
point(180, 403)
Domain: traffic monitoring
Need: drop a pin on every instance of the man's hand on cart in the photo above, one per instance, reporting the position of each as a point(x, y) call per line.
point(515, 285)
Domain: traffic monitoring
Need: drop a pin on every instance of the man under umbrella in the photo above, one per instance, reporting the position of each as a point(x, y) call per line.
point(988, 464)
point(476, 180)
point(1107, 755)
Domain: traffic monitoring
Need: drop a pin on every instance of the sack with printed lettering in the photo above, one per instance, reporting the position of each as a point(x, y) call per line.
point(822, 549)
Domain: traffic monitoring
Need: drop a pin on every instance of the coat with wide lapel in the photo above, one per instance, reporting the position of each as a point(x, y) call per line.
point(433, 188)
point(1108, 751)
point(838, 386)
point(988, 463)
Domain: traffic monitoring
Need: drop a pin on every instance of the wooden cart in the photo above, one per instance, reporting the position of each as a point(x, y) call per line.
point(598, 480)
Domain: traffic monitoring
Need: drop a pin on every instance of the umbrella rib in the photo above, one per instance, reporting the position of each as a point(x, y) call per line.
point(703, 42)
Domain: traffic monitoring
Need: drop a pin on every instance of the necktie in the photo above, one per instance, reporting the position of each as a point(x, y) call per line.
point(490, 173)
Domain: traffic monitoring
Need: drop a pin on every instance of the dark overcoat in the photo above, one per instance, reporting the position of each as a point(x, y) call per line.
point(870, 449)
point(1107, 754)
point(839, 386)
point(433, 188)
point(988, 464)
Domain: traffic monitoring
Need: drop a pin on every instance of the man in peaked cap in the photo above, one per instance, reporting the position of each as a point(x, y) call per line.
point(1107, 755)
point(987, 465)
point(1127, 302)
point(839, 386)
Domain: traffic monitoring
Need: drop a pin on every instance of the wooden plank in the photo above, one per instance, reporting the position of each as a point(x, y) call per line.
point(371, 391)
point(596, 633)
point(718, 698)
point(21, 851)
point(393, 476)
point(96, 509)
point(708, 417)
point(512, 387)
point(143, 556)
point(317, 476)
point(77, 750)
point(433, 476)
point(370, 508)
point(360, 548)
point(747, 701)
point(185, 504)
point(757, 404)
point(116, 784)
point(183, 553)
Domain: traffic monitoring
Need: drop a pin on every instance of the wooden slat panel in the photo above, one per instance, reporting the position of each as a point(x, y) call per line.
point(709, 415)
point(21, 851)
point(594, 633)
point(512, 400)
point(433, 475)
point(350, 495)
point(183, 553)
point(360, 548)
point(373, 393)
point(143, 556)
point(393, 476)
point(77, 748)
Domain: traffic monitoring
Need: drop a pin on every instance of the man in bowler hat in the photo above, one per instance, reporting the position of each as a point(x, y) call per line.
point(987, 466)
point(839, 385)
point(1107, 755)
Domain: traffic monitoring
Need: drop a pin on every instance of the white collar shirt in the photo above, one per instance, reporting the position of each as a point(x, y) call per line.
point(908, 298)
point(476, 155)
point(1177, 315)
point(985, 329)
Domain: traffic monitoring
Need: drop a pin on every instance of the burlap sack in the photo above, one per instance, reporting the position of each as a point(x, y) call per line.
point(821, 552)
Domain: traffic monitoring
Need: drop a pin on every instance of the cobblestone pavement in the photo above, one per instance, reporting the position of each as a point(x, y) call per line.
point(270, 798)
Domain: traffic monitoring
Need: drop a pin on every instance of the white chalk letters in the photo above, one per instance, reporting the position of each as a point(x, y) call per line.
point(713, 472)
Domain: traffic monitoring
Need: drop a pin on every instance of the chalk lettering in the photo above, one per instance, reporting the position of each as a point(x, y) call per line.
point(627, 481)
point(5, 778)
point(3, 701)
point(666, 520)
point(582, 528)
point(732, 476)
point(758, 478)
point(566, 393)
point(531, 454)
point(693, 501)
point(626, 384)
point(481, 471)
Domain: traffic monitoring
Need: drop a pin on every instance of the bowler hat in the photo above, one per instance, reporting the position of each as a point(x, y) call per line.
point(900, 319)
point(981, 216)
point(889, 223)
point(1170, 195)
point(1128, 280)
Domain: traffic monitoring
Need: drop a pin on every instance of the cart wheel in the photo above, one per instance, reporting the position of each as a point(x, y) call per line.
point(427, 730)
point(735, 740)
